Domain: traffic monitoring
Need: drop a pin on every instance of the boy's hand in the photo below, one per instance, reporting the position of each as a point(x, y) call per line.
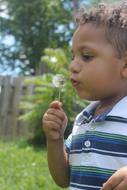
point(54, 121)
point(118, 181)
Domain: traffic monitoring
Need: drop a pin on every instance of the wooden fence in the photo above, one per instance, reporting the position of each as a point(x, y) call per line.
point(11, 91)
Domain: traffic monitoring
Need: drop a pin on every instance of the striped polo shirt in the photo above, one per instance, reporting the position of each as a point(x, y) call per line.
point(97, 146)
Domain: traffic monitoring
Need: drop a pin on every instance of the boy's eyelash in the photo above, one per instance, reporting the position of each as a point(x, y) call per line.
point(87, 57)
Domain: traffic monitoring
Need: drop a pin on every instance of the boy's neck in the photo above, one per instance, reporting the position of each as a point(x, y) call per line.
point(104, 105)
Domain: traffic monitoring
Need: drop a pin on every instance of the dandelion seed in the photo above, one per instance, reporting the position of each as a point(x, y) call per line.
point(58, 82)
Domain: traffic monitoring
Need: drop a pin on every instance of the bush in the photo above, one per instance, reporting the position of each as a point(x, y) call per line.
point(45, 92)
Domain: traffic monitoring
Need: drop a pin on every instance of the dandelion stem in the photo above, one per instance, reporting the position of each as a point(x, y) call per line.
point(59, 97)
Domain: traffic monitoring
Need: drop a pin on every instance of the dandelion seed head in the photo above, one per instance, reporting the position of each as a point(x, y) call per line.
point(58, 81)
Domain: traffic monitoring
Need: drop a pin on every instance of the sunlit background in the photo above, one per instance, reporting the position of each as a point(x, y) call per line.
point(28, 27)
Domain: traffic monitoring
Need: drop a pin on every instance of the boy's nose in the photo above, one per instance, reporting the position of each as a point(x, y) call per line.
point(75, 66)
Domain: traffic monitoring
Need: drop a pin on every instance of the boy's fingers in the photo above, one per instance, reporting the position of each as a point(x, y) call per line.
point(53, 118)
point(55, 112)
point(56, 104)
point(112, 183)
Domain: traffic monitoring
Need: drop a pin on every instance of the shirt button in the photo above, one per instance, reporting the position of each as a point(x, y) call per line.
point(87, 143)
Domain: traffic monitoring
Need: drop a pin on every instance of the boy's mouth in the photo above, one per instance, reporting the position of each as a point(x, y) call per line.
point(74, 82)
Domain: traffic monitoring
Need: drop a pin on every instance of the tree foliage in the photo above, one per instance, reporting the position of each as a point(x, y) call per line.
point(35, 25)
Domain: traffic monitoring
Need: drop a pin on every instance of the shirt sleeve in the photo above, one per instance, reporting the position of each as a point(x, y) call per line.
point(67, 143)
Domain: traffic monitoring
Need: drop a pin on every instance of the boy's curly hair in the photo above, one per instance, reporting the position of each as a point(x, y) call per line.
point(113, 18)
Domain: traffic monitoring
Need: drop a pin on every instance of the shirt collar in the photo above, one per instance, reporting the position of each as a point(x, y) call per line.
point(119, 110)
point(89, 114)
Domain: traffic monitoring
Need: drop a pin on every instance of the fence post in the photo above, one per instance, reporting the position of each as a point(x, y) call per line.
point(11, 91)
point(4, 105)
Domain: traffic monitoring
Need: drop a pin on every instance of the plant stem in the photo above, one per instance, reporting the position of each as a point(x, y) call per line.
point(59, 97)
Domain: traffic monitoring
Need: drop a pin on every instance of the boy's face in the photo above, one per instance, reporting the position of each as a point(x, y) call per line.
point(95, 67)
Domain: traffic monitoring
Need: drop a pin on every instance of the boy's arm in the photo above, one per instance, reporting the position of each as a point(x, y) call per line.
point(118, 181)
point(54, 125)
point(58, 163)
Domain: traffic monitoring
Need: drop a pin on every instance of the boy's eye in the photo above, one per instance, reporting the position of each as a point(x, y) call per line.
point(87, 57)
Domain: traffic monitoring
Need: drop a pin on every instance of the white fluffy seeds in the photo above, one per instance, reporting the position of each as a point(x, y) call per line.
point(58, 81)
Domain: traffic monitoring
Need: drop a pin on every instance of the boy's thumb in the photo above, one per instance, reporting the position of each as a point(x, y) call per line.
point(56, 105)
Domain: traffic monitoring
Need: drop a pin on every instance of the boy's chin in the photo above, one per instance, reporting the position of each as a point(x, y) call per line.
point(87, 97)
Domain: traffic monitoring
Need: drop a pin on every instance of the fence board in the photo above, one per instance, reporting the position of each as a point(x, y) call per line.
point(11, 91)
point(4, 104)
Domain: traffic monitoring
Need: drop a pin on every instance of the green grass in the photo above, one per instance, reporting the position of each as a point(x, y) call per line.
point(24, 168)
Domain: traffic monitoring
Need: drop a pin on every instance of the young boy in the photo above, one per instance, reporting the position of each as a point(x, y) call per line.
point(95, 154)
